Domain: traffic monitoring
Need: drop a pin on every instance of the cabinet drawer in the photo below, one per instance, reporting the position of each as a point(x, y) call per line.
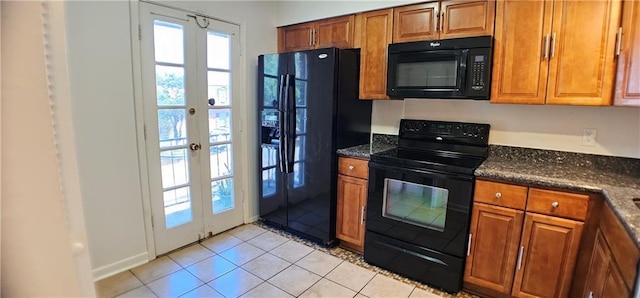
point(500, 194)
point(353, 167)
point(557, 203)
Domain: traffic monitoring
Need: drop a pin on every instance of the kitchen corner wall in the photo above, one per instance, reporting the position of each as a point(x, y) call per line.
point(535, 126)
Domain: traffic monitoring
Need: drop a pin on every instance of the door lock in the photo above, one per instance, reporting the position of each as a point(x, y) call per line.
point(194, 147)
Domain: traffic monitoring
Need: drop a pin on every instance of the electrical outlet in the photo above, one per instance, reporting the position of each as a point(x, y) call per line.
point(589, 137)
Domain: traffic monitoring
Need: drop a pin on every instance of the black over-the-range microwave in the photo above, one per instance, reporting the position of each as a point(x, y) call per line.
point(447, 68)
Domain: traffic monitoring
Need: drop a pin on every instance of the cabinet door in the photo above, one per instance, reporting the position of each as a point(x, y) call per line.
point(600, 259)
point(464, 18)
point(628, 75)
point(582, 64)
point(375, 36)
point(295, 37)
point(352, 198)
point(614, 286)
point(335, 32)
point(415, 22)
point(493, 247)
point(548, 252)
point(520, 59)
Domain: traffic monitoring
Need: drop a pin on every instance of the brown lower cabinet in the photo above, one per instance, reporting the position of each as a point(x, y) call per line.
point(521, 253)
point(612, 270)
point(548, 252)
point(352, 202)
point(605, 279)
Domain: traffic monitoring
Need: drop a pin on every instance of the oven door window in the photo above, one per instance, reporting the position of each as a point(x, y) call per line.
point(416, 204)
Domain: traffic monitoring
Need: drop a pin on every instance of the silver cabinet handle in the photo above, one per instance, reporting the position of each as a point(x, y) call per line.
point(555, 204)
point(469, 245)
point(545, 54)
point(619, 41)
point(442, 21)
point(351, 168)
point(553, 44)
point(498, 195)
point(437, 21)
point(310, 37)
point(520, 257)
point(362, 215)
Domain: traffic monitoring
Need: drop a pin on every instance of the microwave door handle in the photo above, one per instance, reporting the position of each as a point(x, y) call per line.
point(462, 67)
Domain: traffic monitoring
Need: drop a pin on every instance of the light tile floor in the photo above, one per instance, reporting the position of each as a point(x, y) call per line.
point(251, 261)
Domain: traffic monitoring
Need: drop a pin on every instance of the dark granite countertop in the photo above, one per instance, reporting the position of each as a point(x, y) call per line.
point(380, 143)
point(364, 151)
point(617, 178)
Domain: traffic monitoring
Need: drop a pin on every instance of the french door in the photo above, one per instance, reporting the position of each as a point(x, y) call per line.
point(189, 66)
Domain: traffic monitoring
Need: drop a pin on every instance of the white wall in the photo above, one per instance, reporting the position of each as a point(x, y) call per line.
point(543, 127)
point(292, 12)
point(101, 79)
point(99, 47)
point(41, 209)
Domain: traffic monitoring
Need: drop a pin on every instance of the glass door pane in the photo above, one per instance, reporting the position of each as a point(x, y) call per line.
point(220, 121)
point(172, 123)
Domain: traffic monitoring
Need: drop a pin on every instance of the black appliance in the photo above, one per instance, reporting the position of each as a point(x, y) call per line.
point(448, 68)
point(308, 108)
point(419, 200)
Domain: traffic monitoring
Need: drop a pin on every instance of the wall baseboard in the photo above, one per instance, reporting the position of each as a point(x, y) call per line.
point(120, 266)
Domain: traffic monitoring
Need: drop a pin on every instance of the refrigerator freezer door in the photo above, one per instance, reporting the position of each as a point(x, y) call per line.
point(273, 187)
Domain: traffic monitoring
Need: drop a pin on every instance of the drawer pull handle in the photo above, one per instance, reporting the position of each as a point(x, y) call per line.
point(498, 195)
point(555, 204)
point(351, 168)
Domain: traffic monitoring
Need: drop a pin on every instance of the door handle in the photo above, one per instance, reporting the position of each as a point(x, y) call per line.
point(619, 41)
point(437, 21)
point(194, 147)
point(469, 245)
point(520, 257)
point(442, 21)
point(545, 54)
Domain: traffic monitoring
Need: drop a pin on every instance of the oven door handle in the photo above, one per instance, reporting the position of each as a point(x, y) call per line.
point(422, 172)
point(415, 254)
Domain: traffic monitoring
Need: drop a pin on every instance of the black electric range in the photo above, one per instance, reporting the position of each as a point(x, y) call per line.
point(419, 200)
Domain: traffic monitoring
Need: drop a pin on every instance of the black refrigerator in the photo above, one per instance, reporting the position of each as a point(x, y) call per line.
point(308, 108)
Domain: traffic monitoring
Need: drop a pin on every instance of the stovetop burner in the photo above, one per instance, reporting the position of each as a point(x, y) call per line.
point(450, 147)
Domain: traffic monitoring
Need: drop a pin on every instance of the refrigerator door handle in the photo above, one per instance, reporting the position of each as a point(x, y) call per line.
point(290, 122)
point(285, 132)
point(281, 124)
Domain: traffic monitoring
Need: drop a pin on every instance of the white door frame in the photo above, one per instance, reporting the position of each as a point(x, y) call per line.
point(243, 114)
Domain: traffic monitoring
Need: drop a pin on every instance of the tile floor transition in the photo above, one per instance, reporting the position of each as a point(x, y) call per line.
point(254, 260)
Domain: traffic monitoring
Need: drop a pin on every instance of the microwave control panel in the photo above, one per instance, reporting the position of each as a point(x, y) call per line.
point(478, 72)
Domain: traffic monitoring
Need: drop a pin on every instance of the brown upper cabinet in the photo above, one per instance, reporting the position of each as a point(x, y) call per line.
point(628, 75)
point(373, 35)
point(443, 19)
point(333, 32)
point(555, 52)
